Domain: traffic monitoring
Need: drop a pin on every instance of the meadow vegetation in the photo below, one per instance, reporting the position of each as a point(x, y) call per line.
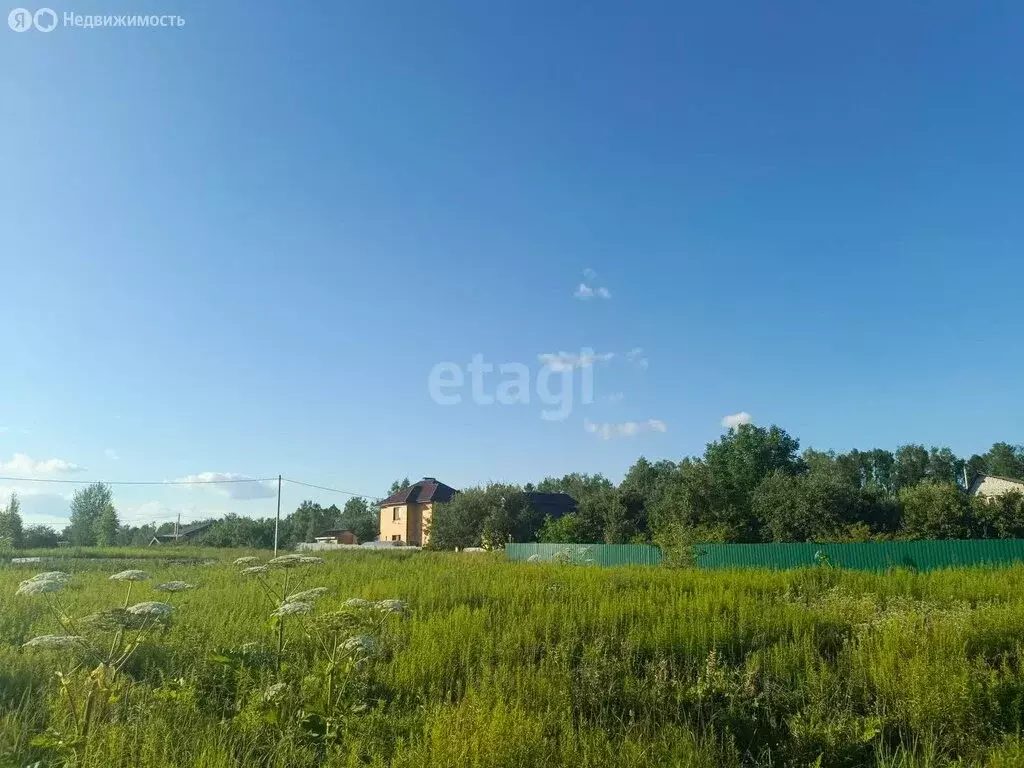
point(438, 659)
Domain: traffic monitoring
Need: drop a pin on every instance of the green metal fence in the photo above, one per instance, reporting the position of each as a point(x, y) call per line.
point(920, 555)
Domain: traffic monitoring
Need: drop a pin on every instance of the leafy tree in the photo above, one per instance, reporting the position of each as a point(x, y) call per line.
point(511, 517)
point(936, 511)
point(1000, 517)
point(1005, 460)
point(911, 466)
point(11, 524)
point(106, 527)
point(945, 467)
point(309, 520)
point(40, 537)
point(638, 491)
point(459, 523)
point(360, 518)
point(398, 485)
point(87, 506)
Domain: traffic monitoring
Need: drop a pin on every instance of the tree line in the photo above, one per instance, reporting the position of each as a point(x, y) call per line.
point(754, 485)
point(94, 521)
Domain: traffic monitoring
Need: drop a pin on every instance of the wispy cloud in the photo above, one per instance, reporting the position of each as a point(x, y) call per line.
point(612, 398)
point(588, 290)
point(26, 466)
point(111, 454)
point(734, 420)
point(4, 429)
point(231, 484)
point(610, 431)
point(636, 357)
point(566, 361)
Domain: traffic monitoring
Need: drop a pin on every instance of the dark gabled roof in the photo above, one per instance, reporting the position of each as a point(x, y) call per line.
point(553, 504)
point(184, 533)
point(420, 492)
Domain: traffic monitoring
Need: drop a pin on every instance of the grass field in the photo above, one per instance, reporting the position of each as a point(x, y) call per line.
point(490, 663)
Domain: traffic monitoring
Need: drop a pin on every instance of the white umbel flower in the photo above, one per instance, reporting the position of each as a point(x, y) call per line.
point(285, 561)
point(51, 576)
point(254, 569)
point(360, 645)
point(307, 595)
point(39, 587)
point(291, 609)
point(247, 560)
point(174, 586)
point(152, 609)
point(357, 602)
point(130, 575)
point(391, 606)
point(54, 641)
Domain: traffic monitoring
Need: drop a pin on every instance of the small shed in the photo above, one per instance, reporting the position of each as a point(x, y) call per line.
point(336, 537)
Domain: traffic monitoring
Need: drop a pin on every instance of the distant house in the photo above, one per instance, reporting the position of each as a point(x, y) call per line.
point(992, 486)
point(405, 514)
point(336, 537)
point(180, 536)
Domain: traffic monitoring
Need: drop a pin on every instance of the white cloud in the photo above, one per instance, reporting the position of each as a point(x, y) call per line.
point(566, 361)
point(634, 353)
point(614, 397)
point(588, 290)
point(26, 466)
point(38, 506)
point(734, 420)
point(111, 454)
point(231, 484)
point(610, 431)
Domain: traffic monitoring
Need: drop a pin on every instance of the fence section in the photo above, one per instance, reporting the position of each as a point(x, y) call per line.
point(919, 555)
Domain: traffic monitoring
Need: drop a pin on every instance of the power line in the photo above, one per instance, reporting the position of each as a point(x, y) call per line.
point(325, 488)
point(140, 482)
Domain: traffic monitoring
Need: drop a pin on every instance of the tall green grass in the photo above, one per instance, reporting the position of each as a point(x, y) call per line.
point(502, 664)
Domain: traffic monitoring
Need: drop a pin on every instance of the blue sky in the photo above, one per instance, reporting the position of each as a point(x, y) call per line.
point(241, 246)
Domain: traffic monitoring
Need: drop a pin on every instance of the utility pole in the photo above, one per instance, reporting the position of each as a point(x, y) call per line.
point(177, 525)
point(277, 520)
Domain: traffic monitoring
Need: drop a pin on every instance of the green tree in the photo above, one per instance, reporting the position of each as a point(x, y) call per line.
point(1005, 460)
point(398, 485)
point(459, 523)
point(360, 518)
point(1000, 517)
point(107, 527)
point(911, 466)
point(40, 537)
point(638, 492)
point(87, 506)
point(936, 511)
point(10, 523)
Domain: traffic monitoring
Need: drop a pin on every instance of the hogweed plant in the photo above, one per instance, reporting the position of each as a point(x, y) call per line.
point(275, 580)
point(89, 676)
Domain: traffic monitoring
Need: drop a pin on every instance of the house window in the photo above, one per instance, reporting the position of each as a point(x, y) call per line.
point(396, 537)
point(396, 513)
